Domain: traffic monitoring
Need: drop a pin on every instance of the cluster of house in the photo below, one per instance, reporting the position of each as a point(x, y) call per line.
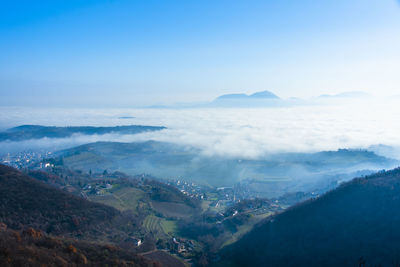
point(188, 188)
point(25, 159)
point(97, 189)
point(182, 245)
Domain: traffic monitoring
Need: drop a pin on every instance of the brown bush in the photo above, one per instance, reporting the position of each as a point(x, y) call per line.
point(71, 249)
point(36, 234)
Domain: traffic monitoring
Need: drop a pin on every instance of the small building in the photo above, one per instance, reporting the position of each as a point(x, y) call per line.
point(137, 242)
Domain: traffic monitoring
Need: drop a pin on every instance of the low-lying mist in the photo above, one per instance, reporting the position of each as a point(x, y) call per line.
point(230, 132)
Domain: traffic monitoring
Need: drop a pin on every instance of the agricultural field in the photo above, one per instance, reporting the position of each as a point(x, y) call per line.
point(159, 226)
point(172, 209)
point(123, 198)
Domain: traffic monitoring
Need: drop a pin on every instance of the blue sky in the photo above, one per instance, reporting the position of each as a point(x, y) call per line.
point(145, 52)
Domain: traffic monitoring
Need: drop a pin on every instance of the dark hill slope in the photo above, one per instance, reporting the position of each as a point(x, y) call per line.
point(357, 222)
point(27, 202)
point(33, 248)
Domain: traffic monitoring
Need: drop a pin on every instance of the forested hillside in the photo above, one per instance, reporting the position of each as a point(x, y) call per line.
point(34, 248)
point(358, 223)
point(27, 202)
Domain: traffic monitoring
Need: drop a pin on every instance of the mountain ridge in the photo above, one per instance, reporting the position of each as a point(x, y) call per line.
point(27, 132)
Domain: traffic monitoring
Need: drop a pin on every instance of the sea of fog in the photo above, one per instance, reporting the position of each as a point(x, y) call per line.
point(233, 132)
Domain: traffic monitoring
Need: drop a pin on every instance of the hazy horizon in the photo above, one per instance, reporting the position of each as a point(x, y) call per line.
point(228, 132)
point(124, 53)
point(255, 133)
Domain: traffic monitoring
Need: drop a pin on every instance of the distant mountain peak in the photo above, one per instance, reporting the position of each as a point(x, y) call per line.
point(256, 95)
point(264, 94)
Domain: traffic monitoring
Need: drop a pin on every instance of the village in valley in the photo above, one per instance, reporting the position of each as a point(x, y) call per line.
point(151, 200)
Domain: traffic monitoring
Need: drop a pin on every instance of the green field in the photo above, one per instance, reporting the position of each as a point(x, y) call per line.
point(245, 228)
point(172, 209)
point(159, 226)
point(124, 198)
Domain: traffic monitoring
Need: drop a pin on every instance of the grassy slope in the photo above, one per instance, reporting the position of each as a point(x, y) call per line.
point(129, 198)
point(171, 209)
point(126, 198)
point(245, 228)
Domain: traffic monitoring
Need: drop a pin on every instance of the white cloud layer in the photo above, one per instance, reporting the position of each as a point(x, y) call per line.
point(244, 133)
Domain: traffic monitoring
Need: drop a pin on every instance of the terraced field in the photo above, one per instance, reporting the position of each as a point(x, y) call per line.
point(159, 226)
point(125, 198)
